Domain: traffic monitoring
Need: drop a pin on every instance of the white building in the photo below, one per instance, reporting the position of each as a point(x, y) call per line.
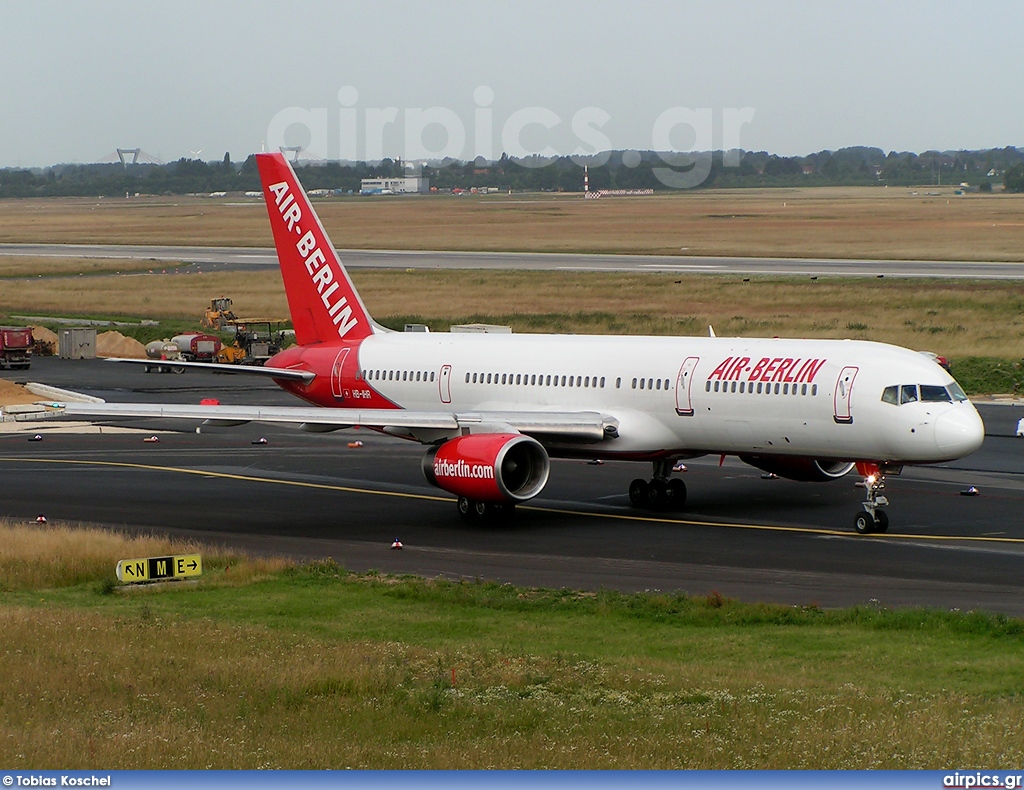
point(407, 185)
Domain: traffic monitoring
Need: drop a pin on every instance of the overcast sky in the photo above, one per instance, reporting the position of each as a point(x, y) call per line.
point(80, 79)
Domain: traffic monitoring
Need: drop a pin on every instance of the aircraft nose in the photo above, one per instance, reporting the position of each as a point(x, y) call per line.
point(959, 431)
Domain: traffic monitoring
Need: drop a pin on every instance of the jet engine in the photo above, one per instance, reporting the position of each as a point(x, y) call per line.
point(489, 467)
point(806, 470)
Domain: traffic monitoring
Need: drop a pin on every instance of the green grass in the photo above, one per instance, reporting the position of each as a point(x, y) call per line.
point(312, 667)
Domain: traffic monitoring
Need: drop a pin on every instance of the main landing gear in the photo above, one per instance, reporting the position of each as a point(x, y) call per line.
point(476, 511)
point(873, 519)
point(663, 492)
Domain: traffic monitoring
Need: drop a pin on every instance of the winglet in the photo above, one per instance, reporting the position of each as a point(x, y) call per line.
point(322, 299)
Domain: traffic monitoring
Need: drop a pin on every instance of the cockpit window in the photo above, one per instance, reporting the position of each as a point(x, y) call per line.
point(957, 392)
point(908, 393)
point(891, 395)
point(934, 394)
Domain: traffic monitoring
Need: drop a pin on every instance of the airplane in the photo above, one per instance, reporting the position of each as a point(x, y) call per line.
point(493, 409)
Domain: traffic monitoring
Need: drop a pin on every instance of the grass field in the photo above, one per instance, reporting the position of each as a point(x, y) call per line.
point(957, 319)
point(866, 222)
point(265, 664)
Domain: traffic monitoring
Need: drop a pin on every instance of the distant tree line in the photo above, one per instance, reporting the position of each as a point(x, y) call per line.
point(618, 170)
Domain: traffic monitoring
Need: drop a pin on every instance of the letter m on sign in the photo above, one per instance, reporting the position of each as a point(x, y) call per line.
point(160, 568)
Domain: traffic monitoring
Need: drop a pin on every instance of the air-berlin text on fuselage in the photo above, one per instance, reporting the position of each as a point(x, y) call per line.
point(446, 468)
point(767, 369)
point(317, 266)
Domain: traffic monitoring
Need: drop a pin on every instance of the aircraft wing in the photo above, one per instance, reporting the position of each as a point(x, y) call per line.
point(252, 370)
point(585, 426)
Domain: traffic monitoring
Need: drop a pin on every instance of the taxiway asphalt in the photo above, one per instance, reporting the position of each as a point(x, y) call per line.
point(311, 495)
point(255, 258)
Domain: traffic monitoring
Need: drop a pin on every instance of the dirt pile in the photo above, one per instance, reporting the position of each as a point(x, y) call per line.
point(114, 344)
point(12, 394)
point(42, 333)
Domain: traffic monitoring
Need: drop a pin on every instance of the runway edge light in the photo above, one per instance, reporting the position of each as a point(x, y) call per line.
point(150, 569)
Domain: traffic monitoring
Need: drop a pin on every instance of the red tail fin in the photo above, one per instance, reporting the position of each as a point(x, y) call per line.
point(323, 302)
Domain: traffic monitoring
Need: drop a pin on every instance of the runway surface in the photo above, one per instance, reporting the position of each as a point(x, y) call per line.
point(255, 258)
point(310, 495)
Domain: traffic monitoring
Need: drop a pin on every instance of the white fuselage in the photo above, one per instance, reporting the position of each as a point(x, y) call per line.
point(687, 396)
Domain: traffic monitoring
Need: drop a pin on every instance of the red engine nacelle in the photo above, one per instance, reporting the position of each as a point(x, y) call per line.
point(489, 467)
point(806, 470)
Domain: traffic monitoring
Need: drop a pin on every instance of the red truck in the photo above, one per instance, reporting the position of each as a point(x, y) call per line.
point(15, 346)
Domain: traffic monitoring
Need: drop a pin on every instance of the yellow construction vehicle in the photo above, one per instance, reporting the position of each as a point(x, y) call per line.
point(256, 341)
point(218, 314)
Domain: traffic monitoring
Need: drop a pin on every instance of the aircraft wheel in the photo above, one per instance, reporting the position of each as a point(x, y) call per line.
point(863, 523)
point(638, 493)
point(465, 508)
point(676, 493)
point(881, 521)
point(177, 369)
point(657, 494)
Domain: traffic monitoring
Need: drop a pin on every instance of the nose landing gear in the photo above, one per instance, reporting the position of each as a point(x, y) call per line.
point(873, 519)
point(663, 492)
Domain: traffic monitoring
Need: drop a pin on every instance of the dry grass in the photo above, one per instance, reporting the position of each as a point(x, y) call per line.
point(953, 318)
point(314, 668)
point(47, 266)
point(34, 556)
point(151, 690)
point(866, 222)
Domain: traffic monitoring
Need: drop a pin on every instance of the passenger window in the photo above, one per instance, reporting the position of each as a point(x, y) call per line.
point(776, 389)
point(908, 393)
point(891, 395)
point(618, 382)
point(933, 394)
point(785, 389)
point(707, 386)
point(634, 383)
point(734, 386)
point(431, 375)
point(642, 382)
point(716, 386)
point(759, 388)
point(814, 389)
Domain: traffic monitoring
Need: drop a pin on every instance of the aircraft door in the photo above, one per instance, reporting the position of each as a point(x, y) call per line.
point(444, 384)
point(683, 382)
point(841, 398)
point(337, 386)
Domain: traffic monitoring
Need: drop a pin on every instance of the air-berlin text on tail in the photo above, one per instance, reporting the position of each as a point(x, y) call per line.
point(308, 247)
point(767, 369)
